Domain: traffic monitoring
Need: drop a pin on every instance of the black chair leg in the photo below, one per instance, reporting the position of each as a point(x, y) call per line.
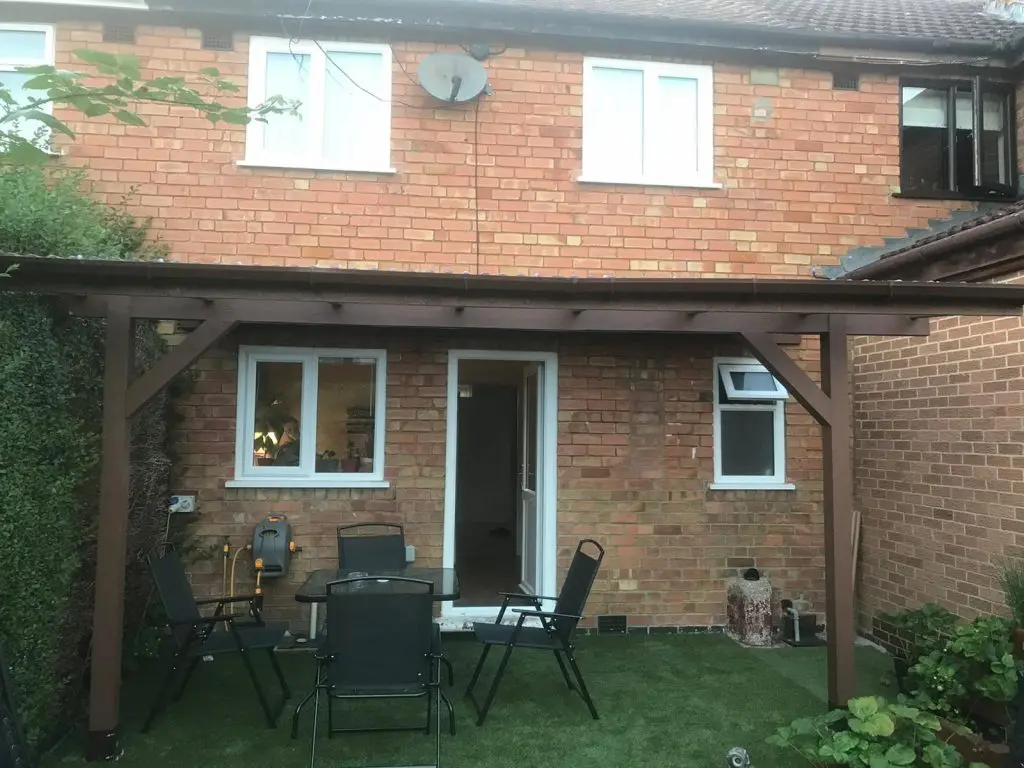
point(271, 720)
point(159, 702)
point(330, 715)
point(193, 663)
point(476, 672)
point(451, 670)
point(565, 672)
point(492, 692)
point(285, 690)
point(437, 736)
point(451, 713)
point(301, 704)
point(582, 686)
point(316, 719)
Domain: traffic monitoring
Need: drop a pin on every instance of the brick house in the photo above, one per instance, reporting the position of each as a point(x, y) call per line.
point(614, 139)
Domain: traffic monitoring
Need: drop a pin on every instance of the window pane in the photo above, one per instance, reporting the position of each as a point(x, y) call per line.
point(12, 82)
point(672, 151)
point(276, 418)
point(346, 413)
point(288, 76)
point(355, 133)
point(925, 160)
point(754, 381)
point(995, 159)
point(614, 123)
point(21, 45)
point(748, 443)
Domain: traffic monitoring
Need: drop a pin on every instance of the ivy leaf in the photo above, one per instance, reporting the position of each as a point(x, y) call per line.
point(879, 761)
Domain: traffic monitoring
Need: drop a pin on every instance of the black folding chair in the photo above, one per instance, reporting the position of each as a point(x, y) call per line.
point(383, 549)
point(557, 632)
point(380, 644)
point(14, 749)
point(196, 636)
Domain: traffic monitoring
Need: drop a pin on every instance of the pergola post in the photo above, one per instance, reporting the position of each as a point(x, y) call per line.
point(112, 537)
point(122, 398)
point(831, 407)
point(837, 439)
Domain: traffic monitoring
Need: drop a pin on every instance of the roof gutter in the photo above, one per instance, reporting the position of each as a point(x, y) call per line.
point(890, 268)
point(557, 21)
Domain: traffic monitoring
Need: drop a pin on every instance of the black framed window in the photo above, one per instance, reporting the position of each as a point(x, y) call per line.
point(955, 142)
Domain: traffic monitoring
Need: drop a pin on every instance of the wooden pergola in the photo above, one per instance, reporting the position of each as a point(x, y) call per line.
point(222, 297)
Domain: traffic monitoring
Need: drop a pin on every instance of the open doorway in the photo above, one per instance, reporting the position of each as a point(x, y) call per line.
point(500, 470)
point(489, 445)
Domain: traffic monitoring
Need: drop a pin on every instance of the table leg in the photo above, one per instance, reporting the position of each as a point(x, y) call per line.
point(312, 620)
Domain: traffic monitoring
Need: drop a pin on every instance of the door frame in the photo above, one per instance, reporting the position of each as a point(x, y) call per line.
point(547, 474)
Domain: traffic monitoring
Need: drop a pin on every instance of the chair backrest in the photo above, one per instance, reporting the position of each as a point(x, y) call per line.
point(576, 588)
point(379, 634)
point(370, 546)
point(175, 591)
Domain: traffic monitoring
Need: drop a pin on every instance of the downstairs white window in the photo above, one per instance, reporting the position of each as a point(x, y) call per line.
point(750, 426)
point(310, 418)
point(25, 45)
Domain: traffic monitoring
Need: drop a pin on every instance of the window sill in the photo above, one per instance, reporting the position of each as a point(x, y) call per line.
point(682, 183)
point(303, 483)
point(752, 487)
point(955, 197)
point(305, 165)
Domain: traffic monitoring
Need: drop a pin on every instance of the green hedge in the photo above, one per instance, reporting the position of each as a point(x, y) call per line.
point(51, 370)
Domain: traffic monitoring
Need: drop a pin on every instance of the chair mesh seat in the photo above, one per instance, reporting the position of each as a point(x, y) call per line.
point(254, 638)
point(529, 637)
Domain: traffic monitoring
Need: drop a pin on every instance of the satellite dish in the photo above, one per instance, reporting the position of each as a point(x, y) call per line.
point(452, 77)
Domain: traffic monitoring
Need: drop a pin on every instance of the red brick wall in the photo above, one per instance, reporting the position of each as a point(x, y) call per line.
point(807, 174)
point(940, 464)
point(634, 461)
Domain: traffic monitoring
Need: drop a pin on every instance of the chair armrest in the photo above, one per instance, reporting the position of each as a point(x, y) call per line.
point(524, 596)
point(199, 621)
point(546, 614)
point(226, 600)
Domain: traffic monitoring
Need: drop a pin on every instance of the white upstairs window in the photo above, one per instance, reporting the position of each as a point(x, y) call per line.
point(750, 426)
point(24, 45)
point(344, 119)
point(648, 122)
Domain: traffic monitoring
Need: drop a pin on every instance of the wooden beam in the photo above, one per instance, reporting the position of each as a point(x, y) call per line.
point(799, 384)
point(837, 437)
point(112, 538)
point(541, 318)
point(150, 383)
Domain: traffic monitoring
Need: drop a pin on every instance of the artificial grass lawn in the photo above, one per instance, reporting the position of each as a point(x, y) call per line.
point(679, 701)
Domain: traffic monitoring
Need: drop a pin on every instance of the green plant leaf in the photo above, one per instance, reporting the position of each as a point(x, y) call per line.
point(878, 761)
point(48, 120)
point(900, 754)
point(130, 118)
point(210, 71)
point(97, 58)
point(863, 707)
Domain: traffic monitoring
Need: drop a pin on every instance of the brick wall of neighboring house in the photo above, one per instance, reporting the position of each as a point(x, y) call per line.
point(807, 173)
point(634, 459)
point(940, 464)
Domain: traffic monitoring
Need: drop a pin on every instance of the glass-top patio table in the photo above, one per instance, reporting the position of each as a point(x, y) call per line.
point(445, 580)
point(314, 589)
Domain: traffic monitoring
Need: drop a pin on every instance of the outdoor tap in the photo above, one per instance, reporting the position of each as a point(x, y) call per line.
point(259, 590)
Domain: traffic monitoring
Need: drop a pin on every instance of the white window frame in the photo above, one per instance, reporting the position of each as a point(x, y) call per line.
point(768, 401)
point(249, 475)
point(303, 154)
point(726, 369)
point(49, 57)
point(704, 177)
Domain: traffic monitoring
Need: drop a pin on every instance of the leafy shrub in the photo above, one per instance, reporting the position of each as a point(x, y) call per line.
point(1011, 579)
point(920, 630)
point(976, 663)
point(870, 733)
point(50, 419)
